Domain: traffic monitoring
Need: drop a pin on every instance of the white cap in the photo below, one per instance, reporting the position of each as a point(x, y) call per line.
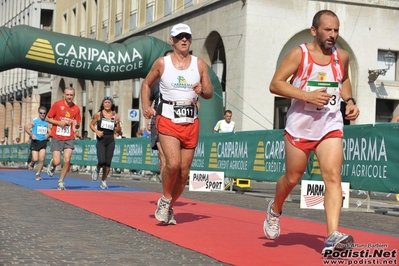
point(180, 28)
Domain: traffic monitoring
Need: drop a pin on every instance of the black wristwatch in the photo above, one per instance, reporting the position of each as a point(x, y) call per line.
point(351, 99)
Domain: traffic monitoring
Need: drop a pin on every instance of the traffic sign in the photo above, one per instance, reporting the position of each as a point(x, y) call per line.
point(20, 129)
point(134, 114)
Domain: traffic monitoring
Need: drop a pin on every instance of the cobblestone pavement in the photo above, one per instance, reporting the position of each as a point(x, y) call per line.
point(38, 230)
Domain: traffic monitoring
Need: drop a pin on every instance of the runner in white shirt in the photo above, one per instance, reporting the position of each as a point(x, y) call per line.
point(319, 80)
point(225, 125)
point(182, 79)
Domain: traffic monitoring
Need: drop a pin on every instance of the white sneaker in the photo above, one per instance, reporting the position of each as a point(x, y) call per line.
point(271, 226)
point(50, 169)
point(94, 175)
point(162, 211)
point(171, 217)
point(337, 242)
point(38, 177)
point(103, 185)
point(61, 185)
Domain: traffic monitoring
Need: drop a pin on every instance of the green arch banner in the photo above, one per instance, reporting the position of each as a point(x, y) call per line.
point(77, 57)
point(66, 55)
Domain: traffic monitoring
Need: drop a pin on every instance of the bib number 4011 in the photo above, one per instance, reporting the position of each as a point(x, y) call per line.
point(183, 113)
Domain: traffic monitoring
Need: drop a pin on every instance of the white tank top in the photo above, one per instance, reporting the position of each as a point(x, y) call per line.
point(178, 97)
point(307, 120)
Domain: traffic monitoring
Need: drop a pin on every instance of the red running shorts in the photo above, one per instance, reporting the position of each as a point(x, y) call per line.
point(187, 134)
point(310, 145)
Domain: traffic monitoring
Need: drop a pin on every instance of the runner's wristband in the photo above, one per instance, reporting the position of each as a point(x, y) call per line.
point(351, 99)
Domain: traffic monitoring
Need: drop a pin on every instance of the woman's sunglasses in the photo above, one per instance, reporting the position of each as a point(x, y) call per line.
point(183, 35)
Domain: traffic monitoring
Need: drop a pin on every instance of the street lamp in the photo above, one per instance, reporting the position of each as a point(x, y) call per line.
point(136, 88)
point(84, 98)
point(84, 101)
point(389, 59)
point(107, 89)
point(218, 68)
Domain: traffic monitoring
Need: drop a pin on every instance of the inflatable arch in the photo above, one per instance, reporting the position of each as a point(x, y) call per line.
point(66, 55)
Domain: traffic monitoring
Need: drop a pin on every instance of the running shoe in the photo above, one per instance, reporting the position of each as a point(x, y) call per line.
point(50, 169)
point(271, 226)
point(337, 242)
point(171, 217)
point(103, 185)
point(94, 175)
point(162, 212)
point(61, 185)
point(38, 177)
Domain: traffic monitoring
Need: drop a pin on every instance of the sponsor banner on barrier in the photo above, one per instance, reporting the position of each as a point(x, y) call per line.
point(370, 156)
point(312, 195)
point(206, 181)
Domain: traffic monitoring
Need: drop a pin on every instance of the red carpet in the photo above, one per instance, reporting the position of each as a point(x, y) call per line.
point(225, 233)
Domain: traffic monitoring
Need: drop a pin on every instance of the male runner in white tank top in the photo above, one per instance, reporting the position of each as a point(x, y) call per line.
point(319, 81)
point(182, 78)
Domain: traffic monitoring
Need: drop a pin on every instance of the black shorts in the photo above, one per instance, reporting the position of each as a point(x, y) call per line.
point(154, 134)
point(37, 145)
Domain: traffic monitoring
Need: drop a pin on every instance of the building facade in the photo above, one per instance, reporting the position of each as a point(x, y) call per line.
point(23, 91)
point(244, 41)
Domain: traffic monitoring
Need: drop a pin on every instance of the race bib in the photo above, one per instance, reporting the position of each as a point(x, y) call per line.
point(107, 124)
point(41, 130)
point(334, 102)
point(183, 113)
point(63, 131)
